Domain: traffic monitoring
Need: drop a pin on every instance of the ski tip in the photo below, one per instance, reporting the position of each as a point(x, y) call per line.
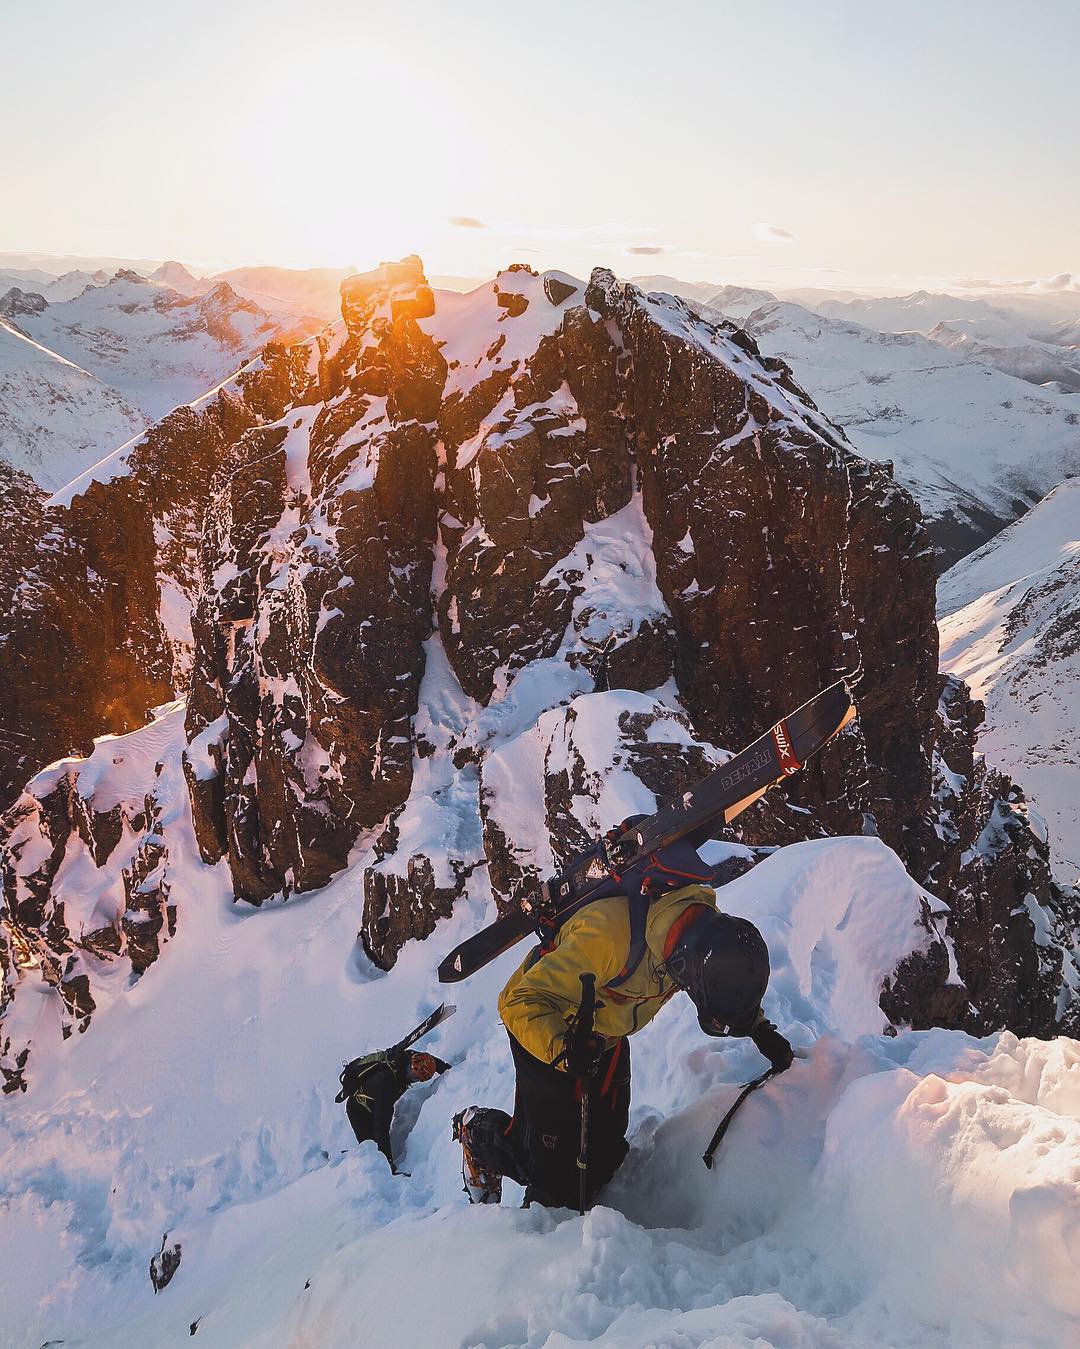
point(449, 971)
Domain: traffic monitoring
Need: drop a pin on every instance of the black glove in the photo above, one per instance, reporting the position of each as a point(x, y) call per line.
point(582, 1054)
point(771, 1044)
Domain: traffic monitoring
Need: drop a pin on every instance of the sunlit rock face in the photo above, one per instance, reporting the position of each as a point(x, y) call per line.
point(96, 591)
point(469, 578)
point(317, 556)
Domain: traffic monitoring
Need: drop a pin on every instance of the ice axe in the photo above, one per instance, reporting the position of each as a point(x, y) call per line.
point(748, 1090)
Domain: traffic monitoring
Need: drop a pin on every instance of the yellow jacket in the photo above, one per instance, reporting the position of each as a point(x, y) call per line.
point(543, 993)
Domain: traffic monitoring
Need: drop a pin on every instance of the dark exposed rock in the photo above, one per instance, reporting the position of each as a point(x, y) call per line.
point(318, 548)
point(1009, 921)
point(557, 290)
point(85, 876)
point(85, 650)
point(921, 993)
point(399, 908)
point(164, 1265)
point(15, 302)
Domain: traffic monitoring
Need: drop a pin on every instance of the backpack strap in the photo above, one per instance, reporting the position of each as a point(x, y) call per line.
point(667, 869)
point(356, 1071)
point(638, 902)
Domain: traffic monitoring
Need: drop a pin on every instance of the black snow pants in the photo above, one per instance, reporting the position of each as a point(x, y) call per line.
point(372, 1115)
point(538, 1146)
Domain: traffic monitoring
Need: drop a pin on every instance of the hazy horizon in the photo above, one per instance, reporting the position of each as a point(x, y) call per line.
point(1058, 289)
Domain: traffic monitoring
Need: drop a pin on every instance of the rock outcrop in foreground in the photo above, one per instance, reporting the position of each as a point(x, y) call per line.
point(473, 575)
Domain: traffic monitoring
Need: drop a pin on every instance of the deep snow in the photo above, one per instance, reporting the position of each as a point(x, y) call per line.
point(917, 1189)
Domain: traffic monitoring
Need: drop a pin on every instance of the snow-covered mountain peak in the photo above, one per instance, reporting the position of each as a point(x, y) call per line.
point(155, 346)
point(176, 275)
point(132, 277)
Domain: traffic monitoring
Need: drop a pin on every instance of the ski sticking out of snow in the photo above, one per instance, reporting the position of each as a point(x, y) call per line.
point(433, 1019)
point(718, 798)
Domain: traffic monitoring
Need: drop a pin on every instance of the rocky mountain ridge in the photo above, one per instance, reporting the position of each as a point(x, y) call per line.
point(469, 577)
point(977, 447)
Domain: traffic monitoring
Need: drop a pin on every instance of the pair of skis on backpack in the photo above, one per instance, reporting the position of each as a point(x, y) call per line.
point(659, 851)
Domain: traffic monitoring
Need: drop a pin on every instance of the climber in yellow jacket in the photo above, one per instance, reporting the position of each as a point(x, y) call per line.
point(721, 961)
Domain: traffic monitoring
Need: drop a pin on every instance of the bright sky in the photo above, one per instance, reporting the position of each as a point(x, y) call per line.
point(788, 142)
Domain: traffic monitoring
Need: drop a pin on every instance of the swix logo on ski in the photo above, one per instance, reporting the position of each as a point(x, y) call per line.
point(782, 740)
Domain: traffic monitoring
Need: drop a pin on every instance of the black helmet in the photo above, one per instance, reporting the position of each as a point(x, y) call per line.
point(723, 963)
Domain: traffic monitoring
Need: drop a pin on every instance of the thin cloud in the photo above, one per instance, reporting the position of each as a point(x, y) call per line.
point(1063, 281)
point(609, 230)
point(773, 234)
point(646, 250)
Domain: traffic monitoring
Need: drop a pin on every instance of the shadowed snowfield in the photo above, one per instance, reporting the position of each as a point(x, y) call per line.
point(922, 1189)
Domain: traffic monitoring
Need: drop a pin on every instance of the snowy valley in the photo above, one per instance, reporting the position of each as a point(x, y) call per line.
point(347, 653)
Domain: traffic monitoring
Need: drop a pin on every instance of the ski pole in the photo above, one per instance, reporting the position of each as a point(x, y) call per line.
point(583, 1029)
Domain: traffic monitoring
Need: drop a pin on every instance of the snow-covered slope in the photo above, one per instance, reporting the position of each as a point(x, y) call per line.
point(1010, 627)
point(56, 418)
point(158, 348)
point(914, 1189)
point(1065, 333)
point(1021, 335)
point(974, 446)
point(1005, 346)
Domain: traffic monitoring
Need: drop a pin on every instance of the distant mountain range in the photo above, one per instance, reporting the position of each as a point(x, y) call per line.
point(975, 446)
point(79, 376)
point(156, 345)
point(1025, 337)
point(55, 417)
point(1010, 627)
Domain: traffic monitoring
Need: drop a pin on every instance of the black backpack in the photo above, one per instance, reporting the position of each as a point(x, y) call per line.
point(352, 1075)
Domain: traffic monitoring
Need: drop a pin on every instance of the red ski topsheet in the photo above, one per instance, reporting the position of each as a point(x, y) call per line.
point(784, 752)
